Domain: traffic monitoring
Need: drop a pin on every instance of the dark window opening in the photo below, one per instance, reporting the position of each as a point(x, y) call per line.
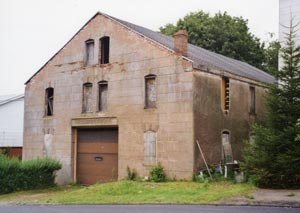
point(87, 100)
point(252, 100)
point(89, 48)
point(150, 91)
point(104, 50)
point(225, 94)
point(102, 104)
point(49, 101)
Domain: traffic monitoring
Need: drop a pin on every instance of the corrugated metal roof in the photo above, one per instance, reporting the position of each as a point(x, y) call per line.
point(203, 57)
point(8, 98)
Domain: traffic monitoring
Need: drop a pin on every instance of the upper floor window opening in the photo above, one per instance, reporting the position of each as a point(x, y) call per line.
point(87, 97)
point(89, 49)
point(102, 99)
point(150, 91)
point(252, 100)
point(225, 94)
point(104, 50)
point(49, 98)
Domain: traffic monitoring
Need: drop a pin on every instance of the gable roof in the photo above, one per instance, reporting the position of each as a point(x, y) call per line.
point(199, 56)
point(9, 98)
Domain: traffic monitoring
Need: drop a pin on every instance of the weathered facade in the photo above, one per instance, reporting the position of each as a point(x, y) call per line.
point(119, 95)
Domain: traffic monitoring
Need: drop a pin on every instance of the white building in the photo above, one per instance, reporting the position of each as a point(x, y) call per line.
point(288, 9)
point(11, 120)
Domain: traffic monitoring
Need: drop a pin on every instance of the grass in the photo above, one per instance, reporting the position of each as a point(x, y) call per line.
point(291, 194)
point(126, 192)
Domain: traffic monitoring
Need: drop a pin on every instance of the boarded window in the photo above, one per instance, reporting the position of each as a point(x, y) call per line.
point(225, 94)
point(87, 97)
point(150, 147)
point(89, 48)
point(150, 91)
point(226, 148)
point(252, 100)
point(104, 50)
point(102, 104)
point(49, 101)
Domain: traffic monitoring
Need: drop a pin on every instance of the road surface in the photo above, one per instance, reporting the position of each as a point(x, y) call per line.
point(143, 209)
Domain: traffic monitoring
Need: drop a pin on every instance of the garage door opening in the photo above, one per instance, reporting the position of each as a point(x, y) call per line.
point(97, 155)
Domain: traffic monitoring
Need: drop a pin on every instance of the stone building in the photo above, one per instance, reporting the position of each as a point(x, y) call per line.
point(119, 95)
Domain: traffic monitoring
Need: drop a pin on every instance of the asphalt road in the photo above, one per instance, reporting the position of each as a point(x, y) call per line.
point(143, 209)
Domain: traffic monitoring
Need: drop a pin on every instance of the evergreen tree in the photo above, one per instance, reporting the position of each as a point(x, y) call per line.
point(272, 159)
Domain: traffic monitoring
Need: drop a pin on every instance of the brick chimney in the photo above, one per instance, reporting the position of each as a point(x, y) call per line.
point(181, 42)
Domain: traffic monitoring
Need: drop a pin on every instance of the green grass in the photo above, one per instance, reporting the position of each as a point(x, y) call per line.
point(139, 192)
point(132, 192)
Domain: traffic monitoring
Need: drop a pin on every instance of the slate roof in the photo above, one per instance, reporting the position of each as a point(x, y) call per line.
point(200, 57)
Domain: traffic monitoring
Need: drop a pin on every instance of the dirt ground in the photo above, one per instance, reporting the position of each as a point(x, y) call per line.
point(267, 197)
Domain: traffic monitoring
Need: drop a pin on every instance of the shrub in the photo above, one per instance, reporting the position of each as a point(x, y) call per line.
point(131, 174)
point(16, 175)
point(157, 173)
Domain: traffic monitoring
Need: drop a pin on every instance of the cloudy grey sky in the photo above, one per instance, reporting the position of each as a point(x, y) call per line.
point(32, 31)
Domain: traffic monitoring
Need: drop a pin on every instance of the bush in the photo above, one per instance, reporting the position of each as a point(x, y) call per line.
point(216, 174)
point(131, 174)
point(157, 173)
point(16, 175)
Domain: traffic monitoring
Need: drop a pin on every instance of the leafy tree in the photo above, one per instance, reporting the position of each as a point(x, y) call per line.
point(271, 57)
point(222, 34)
point(273, 158)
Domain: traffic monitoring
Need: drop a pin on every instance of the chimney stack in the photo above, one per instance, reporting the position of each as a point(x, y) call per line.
point(181, 42)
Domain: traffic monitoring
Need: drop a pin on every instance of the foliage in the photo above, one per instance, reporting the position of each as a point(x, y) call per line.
point(271, 57)
point(5, 150)
point(131, 174)
point(272, 159)
point(222, 34)
point(157, 173)
point(216, 175)
point(16, 175)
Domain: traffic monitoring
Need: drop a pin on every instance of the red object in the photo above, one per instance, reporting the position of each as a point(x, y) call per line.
point(15, 152)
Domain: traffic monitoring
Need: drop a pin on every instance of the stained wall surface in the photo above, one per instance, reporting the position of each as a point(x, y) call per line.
point(210, 120)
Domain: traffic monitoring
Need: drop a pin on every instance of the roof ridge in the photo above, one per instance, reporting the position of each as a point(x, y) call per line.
point(198, 55)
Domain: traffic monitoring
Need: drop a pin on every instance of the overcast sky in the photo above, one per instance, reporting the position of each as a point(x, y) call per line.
point(32, 31)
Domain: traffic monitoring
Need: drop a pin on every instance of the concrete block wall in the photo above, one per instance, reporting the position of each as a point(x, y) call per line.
point(131, 58)
point(210, 120)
